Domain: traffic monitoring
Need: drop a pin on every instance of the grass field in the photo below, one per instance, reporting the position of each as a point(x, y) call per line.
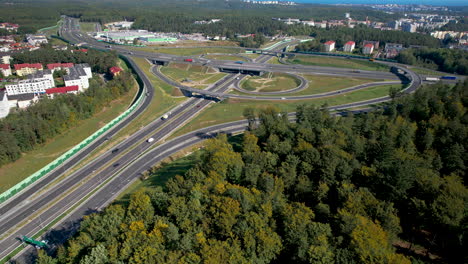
point(322, 84)
point(189, 51)
point(34, 160)
point(251, 55)
point(339, 63)
point(192, 75)
point(56, 41)
point(160, 176)
point(425, 71)
point(270, 82)
point(232, 109)
point(87, 27)
point(225, 57)
point(274, 60)
point(51, 30)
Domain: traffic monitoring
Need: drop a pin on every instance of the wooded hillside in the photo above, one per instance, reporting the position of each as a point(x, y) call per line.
point(375, 188)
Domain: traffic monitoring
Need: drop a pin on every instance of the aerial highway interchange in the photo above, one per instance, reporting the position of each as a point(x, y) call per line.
point(97, 183)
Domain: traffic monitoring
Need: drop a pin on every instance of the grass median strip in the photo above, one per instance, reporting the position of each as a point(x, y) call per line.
point(232, 109)
point(336, 62)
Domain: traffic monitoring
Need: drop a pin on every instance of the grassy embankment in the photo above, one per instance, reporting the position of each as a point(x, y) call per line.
point(192, 75)
point(87, 26)
point(232, 109)
point(339, 63)
point(322, 84)
point(271, 82)
point(189, 51)
point(225, 57)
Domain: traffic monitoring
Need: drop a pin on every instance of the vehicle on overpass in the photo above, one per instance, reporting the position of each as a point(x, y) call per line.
point(431, 79)
point(188, 60)
point(36, 243)
point(448, 78)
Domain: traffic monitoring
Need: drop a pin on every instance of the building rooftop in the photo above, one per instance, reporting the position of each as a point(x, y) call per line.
point(22, 97)
point(115, 70)
point(330, 42)
point(52, 66)
point(350, 43)
point(39, 74)
point(369, 46)
point(5, 66)
point(28, 65)
point(75, 73)
point(65, 89)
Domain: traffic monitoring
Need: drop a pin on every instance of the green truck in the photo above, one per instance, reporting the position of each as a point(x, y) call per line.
point(36, 243)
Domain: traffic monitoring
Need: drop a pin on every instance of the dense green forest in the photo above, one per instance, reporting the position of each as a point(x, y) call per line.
point(462, 25)
point(175, 16)
point(447, 60)
point(383, 187)
point(27, 129)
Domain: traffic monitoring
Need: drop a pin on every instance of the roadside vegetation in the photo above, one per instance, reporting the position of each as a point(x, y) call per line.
point(192, 75)
point(232, 109)
point(190, 51)
point(386, 187)
point(339, 63)
point(270, 82)
point(225, 57)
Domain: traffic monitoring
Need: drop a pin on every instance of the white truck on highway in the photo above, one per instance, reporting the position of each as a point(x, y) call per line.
point(431, 79)
point(150, 140)
point(164, 117)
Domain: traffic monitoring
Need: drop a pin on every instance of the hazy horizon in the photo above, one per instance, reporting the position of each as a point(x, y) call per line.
point(401, 2)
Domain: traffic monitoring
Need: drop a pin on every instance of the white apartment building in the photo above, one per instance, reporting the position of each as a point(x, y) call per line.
point(36, 83)
point(349, 46)
point(79, 76)
point(329, 46)
point(5, 69)
point(368, 49)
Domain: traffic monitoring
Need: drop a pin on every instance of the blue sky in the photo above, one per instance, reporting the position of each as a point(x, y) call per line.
point(420, 2)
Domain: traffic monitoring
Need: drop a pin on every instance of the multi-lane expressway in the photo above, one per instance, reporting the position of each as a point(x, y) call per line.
point(121, 166)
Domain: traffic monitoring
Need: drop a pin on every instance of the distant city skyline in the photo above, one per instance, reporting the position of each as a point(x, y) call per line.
point(380, 2)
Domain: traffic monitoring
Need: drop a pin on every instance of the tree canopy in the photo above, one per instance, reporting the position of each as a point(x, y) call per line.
point(321, 190)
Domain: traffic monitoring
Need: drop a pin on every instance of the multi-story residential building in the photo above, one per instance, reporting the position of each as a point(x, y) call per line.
point(329, 46)
point(5, 69)
point(59, 66)
point(9, 26)
point(27, 68)
point(349, 46)
point(396, 46)
point(79, 76)
point(36, 40)
point(5, 59)
point(368, 49)
point(28, 86)
point(409, 27)
point(374, 43)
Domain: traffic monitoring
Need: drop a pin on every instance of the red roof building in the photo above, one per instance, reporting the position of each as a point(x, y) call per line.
point(66, 89)
point(53, 66)
point(330, 42)
point(368, 49)
point(28, 65)
point(329, 45)
point(5, 66)
point(115, 70)
point(80, 50)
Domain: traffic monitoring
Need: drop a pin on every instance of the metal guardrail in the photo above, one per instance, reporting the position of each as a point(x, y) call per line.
point(64, 157)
